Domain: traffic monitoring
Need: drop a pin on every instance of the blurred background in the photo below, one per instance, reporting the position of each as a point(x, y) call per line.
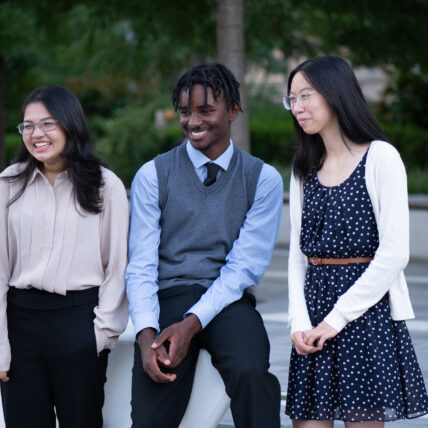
point(122, 59)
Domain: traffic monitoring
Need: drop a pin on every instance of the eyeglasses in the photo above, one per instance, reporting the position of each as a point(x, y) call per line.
point(45, 125)
point(302, 99)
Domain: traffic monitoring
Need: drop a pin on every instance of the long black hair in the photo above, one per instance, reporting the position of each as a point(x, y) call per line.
point(335, 80)
point(84, 168)
point(210, 75)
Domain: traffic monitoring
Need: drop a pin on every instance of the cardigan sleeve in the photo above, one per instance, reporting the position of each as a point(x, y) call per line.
point(298, 316)
point(387, 184)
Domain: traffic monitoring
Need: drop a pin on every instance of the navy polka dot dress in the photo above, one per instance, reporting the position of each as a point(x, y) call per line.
point(369, 371)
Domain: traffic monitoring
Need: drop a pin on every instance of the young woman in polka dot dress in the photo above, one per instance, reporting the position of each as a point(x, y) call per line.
point(352, 357)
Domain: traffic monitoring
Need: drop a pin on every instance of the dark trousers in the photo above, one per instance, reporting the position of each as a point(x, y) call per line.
point(237, 341)
point(54, 363)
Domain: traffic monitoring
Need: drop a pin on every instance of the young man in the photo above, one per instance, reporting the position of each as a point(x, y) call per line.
point(204, 222)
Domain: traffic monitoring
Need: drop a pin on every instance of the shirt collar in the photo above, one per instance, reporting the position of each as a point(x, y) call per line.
point(198, 159)
point(37, 172)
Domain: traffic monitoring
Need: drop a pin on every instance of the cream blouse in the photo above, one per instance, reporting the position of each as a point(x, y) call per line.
point(48, 242)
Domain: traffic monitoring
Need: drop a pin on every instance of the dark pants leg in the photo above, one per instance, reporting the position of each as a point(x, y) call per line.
point(27, 397)
point(54, 364)
point(76, 372)
point(238, 343)
point(157, 404)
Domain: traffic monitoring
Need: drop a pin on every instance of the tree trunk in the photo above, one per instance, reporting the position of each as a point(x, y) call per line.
point(230, 52)
point(2, 116)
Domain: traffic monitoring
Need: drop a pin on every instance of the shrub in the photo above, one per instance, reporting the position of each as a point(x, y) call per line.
point(411, 142)
point(271, 134)
point(131, 138)
point(417, 180)
point(272, 140)
point(12, 142)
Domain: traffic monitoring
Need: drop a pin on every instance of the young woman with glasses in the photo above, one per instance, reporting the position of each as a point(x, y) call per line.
point(63, 254)
point(352, 357)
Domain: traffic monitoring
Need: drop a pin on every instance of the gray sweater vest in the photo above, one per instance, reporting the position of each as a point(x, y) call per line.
point(199, 224)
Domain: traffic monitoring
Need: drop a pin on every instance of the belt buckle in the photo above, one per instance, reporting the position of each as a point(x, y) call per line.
point(316, 261)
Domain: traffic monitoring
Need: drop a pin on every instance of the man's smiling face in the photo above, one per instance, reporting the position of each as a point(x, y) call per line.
point(206, 121)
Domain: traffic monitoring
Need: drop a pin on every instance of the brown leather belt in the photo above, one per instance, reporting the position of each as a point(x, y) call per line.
point(321, 261)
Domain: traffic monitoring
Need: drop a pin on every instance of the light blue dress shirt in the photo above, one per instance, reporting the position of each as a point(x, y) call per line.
point(246, 262)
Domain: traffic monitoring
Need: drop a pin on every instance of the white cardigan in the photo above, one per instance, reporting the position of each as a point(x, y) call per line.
point(386, 183)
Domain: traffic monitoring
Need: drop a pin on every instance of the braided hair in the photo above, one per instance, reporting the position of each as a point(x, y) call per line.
point(210, 75)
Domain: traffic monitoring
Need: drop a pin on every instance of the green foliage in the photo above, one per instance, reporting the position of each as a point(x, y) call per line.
point(273, 26)
point(121, 58)
point(411, 142)
point(285, 172)
point(20, 47)
point(271, 134)
point(376, 33)
point(405, 98)
point(12, 141)
point(417, 181)
point(131, 138)
point(369, 32)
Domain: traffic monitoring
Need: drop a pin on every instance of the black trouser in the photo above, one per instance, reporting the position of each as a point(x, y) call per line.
point(54, 361)
point(237, 341)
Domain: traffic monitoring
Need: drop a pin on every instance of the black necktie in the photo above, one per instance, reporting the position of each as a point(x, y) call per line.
point(212, 170)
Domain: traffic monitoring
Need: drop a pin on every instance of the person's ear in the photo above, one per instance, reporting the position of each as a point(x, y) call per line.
point(233, 113)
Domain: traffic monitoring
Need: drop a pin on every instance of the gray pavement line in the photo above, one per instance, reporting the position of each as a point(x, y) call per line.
point(280, 274)
point(275, 274)
point(282, 317)
point(417, 279)
point(281, 251)
point(416, 325)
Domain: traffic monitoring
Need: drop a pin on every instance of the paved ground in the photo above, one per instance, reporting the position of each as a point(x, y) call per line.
point(273, 303)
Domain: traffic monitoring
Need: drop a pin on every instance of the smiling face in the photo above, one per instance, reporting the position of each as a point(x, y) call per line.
point(206, 121)
point(316, 117)
point(46, 147)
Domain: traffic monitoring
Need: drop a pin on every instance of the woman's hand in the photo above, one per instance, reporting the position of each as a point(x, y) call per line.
point(302, 348)
point(317, 336)
point(4, 377)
